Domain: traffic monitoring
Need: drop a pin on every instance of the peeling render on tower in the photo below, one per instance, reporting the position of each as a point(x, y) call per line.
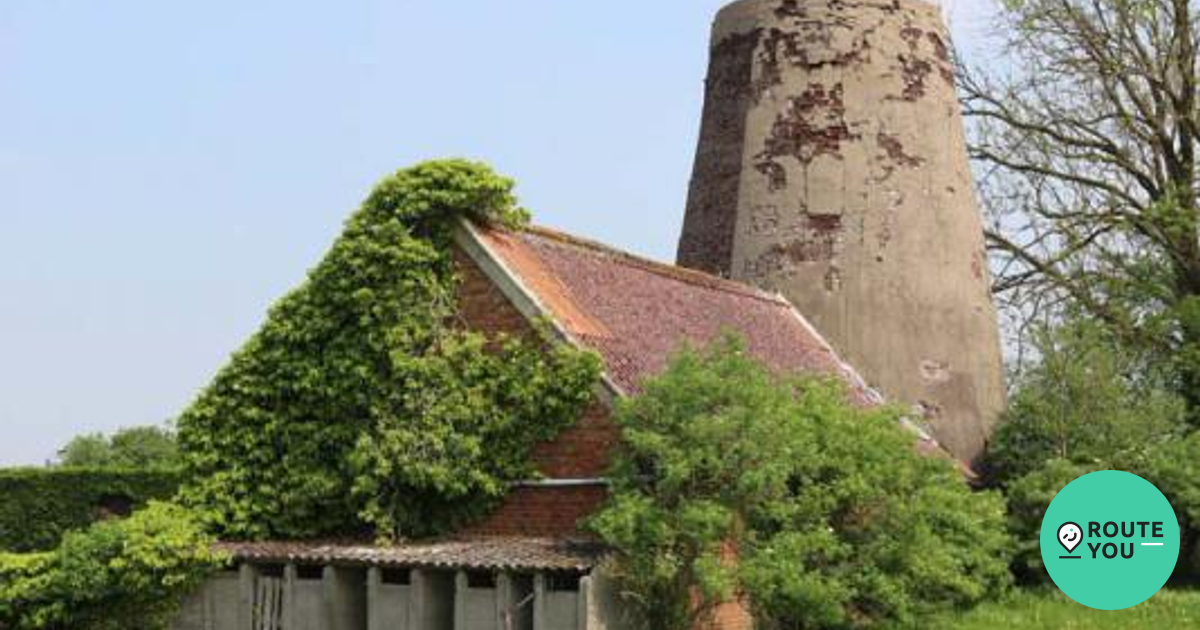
point(832, 168)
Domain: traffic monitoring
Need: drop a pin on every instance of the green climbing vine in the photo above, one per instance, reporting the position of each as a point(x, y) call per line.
point(360, 404)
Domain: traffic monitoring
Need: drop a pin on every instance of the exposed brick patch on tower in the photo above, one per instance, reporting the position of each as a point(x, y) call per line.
point(707, 240)
point(893, 149)
point(813, 124)
point(817, 240)
point(914, 70)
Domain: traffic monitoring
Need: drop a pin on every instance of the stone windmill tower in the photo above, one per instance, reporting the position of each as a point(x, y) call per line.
point(832, 168)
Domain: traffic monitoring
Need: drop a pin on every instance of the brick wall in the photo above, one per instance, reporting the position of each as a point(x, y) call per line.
point(541, 511)
point(481, 306)
point(580, 451)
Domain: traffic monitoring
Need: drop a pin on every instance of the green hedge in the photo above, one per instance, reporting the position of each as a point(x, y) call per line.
point(39, 505)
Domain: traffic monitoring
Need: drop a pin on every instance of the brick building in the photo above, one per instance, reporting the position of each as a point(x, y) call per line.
point(527, 565)
point(831, 168)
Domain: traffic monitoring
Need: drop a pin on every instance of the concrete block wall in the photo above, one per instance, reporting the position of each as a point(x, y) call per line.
point(307, 598)
point(346, 598)
point(556, 608)
point(273, 597)
point(213, 607)
point(389, 604)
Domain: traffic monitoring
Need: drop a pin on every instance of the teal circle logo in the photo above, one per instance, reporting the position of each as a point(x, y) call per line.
point(1110, 540)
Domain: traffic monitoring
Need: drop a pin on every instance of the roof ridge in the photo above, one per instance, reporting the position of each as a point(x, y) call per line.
point(674, 272)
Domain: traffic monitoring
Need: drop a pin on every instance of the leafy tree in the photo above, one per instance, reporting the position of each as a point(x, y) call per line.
point(361, 398)
point(133, 447)
point(733, 482)
point(1089, 404)
point(115, 575)
point(1174, 468)
point(92, 450)
point(145, 447)
point(1088, 136)
point(1087, 400)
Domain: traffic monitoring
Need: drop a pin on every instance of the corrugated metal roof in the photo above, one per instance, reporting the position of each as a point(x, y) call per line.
point(493, 553)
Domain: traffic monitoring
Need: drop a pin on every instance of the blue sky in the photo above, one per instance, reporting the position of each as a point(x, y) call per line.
point(168, 169)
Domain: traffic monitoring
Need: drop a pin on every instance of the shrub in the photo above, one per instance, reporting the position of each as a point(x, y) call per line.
point(1028, 498)
point(735, 482)
point(40, 504)
point(1173, 468)
point(115, 575)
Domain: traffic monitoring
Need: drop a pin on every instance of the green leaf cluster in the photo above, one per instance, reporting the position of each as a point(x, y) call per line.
point(462, 429)
point(115, 575)
point(361, 400)
point(734, 482)
point(39, 505)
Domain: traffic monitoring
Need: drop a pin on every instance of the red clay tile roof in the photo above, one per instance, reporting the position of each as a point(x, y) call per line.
point(636, 312)
point(496, 553)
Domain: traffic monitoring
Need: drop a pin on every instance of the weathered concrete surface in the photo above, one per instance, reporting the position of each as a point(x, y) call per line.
point(356, 598)
point(605, 608)
point(475, 608)
point(832, 168)
point(433, 600)
point(307, 604)
point(388, 605)
point(211, 607)
point(346, 598)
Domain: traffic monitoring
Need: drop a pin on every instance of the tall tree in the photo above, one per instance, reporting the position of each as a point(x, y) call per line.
point(131, 447)
point(1086, 139)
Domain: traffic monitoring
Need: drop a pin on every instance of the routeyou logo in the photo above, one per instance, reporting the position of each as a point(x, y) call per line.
point(1110, 540)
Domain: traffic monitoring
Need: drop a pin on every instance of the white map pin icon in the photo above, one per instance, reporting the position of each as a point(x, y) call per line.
point(1069, 536)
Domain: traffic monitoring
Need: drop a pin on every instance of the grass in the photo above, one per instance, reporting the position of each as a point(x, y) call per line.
point(1043, 610)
